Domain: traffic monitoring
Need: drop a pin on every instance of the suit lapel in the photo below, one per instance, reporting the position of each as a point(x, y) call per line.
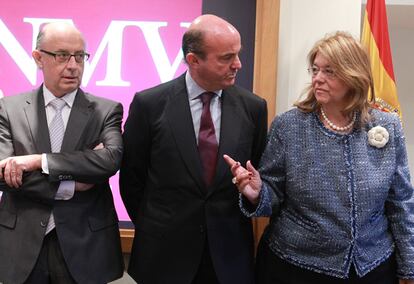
point(179, 116)
point(78, 119)
point(229, 134)
point(36, 119)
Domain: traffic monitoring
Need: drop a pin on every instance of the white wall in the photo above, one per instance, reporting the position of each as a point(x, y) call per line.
point(402, 44)
point(302, 23)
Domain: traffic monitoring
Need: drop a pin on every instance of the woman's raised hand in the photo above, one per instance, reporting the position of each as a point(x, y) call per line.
point(246, 179)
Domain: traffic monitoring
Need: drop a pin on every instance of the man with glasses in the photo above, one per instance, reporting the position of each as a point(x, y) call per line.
point(58, 148)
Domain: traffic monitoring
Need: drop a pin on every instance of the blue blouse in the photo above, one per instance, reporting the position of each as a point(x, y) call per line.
point(335, 200)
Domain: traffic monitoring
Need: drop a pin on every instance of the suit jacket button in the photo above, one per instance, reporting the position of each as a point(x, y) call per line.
point(43, 223)
point(201, 229)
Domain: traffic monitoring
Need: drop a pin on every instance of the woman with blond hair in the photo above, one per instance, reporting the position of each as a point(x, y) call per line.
point(335, 181)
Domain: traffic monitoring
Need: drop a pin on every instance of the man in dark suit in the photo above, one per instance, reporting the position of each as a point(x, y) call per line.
point(173, 180)
point(58, 148)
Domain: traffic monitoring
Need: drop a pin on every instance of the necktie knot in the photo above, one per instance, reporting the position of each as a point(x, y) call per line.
point(57, 104)
point(206, 97)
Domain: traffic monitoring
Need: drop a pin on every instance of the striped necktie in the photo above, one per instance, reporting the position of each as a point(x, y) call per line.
point(56, 133)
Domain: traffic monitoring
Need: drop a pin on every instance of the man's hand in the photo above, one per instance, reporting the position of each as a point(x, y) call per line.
point(407, 281)
point(12, 168)
point(99, 146)
point(247, 179)
point(80, 186)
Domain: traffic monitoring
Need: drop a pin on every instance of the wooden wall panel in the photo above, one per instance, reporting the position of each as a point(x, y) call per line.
point(127, 236)
point(265, 69)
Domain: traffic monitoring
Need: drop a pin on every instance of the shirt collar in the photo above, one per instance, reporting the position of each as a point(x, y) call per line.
point(69, 98)
point(194, 90)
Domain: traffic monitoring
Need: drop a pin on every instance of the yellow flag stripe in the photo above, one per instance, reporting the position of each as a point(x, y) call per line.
point(384, 85)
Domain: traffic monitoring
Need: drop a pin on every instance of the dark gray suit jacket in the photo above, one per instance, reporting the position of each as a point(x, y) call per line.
point(164, 192)
point(87, 224)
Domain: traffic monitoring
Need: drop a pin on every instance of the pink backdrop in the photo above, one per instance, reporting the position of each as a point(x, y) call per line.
point(133, 44)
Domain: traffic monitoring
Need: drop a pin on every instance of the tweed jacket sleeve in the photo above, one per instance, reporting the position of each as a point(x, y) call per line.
point(400, 207)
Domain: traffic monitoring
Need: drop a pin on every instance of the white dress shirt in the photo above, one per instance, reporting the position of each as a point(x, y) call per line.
point(196, 106)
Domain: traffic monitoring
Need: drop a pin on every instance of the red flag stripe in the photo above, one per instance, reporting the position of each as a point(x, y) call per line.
point(377, 18)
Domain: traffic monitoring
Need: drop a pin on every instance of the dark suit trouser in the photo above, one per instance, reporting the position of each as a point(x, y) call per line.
point(50, 267)
point(270, 269)
point(206, 273)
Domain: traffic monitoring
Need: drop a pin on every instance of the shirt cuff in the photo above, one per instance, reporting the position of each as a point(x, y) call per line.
point(45, 167)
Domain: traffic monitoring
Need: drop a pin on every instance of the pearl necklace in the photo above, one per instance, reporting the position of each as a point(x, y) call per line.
point(338, 128)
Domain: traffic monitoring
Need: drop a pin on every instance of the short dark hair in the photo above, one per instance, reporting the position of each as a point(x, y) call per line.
point(193, 41)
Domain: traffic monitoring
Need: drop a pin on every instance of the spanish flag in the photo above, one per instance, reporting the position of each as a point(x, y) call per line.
point(376, 39)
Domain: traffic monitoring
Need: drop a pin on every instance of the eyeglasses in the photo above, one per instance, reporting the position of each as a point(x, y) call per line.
point(63, 57)
point(327, 72)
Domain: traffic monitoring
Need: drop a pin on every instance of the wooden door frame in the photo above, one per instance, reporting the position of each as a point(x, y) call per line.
point(265, 70)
